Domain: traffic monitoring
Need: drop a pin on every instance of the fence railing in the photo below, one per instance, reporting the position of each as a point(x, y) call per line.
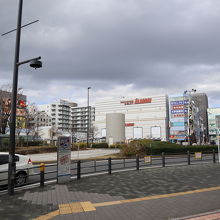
point(82, 168)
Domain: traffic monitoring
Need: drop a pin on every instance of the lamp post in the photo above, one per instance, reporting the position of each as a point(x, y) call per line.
point(88, 124)
point(33, 63)
point(188, 110)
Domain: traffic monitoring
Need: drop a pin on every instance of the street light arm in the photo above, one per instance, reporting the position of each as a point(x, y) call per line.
point(28, 61)
point(21, 27)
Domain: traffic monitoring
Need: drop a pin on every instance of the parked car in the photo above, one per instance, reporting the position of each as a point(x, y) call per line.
point(23, 168)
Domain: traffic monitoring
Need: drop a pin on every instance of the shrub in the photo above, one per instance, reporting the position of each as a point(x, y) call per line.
point(35, 150)
point(80, 146)
point(128, 150)
point(100, 145)
point(142, 147)
point(116, 146)
point(4, 144)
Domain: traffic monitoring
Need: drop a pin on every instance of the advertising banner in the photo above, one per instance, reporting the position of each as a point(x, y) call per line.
point(178, 106)
point(63, 159)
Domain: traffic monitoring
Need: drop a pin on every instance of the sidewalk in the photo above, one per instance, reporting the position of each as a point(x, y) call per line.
point(83, 154)
point(154, 194)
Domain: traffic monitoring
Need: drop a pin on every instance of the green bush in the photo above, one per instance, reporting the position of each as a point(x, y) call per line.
point(143, 147)
point(35, 150)
point(4, 144)
point(116, 146)
point(100, 145)
point(80, 146)
point(128, 150)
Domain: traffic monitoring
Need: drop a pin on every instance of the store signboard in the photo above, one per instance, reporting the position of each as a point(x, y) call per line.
point(137, 101)
point(178, 137)
point(148, 159)
point(129, 124)
point(63, 159)
point(198, 155)
point(177, 124)
point(178, 106)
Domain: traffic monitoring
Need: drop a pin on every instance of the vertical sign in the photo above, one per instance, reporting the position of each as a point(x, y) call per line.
point(63, 159)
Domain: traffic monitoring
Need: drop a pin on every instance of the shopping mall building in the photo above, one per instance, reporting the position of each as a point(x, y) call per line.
point(145, 117)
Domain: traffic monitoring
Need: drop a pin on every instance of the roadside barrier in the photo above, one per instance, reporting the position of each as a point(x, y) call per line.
point(80, 168)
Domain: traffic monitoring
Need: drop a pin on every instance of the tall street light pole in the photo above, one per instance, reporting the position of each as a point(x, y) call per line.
point(88, 124)
point(34, 63)
point(12, 168)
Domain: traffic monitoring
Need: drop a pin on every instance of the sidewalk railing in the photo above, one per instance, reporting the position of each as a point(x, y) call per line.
point(82, 168)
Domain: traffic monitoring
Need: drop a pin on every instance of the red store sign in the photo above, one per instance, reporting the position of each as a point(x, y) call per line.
point(137, 101)
point(129, 124)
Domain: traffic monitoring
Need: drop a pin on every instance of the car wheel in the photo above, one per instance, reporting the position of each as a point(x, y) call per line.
point(21, 178)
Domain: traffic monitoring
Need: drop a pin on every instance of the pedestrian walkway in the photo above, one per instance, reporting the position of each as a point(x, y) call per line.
point(163, 193)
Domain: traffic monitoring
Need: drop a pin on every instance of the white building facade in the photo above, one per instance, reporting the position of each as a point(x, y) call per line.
point(61, 114)
point(67, 118)
point(145, 117)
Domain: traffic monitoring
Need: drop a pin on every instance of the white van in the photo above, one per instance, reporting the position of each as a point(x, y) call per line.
point(23, 168)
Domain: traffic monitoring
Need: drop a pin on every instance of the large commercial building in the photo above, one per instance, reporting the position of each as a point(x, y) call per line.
point(145, 117)
point(214, 124)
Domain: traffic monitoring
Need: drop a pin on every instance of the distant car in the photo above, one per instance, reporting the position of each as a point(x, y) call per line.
point(23, 168)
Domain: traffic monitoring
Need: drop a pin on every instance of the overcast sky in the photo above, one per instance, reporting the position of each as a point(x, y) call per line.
point(118, 47)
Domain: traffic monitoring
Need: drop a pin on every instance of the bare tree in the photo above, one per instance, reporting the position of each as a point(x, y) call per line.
point(53, 133)
point(93, 132)
point(31, 124)
point(5, 107)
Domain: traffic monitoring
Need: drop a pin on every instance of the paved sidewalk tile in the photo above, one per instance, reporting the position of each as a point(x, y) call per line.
point(154, 194)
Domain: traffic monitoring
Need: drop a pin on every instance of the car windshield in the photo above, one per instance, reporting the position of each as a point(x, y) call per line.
point(4, 159)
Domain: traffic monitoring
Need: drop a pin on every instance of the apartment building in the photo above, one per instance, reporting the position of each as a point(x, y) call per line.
point(66, 117)
point(82, 118)
point(61, 114)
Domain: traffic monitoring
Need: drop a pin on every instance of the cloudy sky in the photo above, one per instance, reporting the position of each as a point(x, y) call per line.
point(118, 47)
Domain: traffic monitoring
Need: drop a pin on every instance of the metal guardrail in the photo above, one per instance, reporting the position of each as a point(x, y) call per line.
point(80, 168)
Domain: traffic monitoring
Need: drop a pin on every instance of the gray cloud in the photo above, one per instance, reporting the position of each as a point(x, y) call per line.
point(150, 43)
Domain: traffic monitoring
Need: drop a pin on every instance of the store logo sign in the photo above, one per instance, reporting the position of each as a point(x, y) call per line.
point(137, 101)
point(129, 124)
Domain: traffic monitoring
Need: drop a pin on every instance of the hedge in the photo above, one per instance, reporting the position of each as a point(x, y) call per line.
point(36, 150)
point(100, 145)
point(143, 147)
